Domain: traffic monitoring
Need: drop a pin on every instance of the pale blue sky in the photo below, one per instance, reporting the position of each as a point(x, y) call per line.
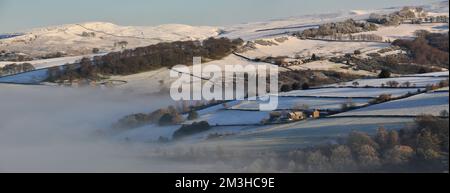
point(16, 15)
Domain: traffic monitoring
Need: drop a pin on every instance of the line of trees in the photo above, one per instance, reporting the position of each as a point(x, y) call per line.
point(162, 117)
point(330, 29)
point(148, 58)
point(350, 37)
point(171, 115)
point(192, 129)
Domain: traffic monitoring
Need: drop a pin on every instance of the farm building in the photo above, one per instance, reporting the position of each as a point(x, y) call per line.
point(315, 114)
point(296, 116)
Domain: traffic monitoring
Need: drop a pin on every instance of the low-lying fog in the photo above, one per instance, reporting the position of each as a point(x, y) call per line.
point(48, 129)
point(45, 129)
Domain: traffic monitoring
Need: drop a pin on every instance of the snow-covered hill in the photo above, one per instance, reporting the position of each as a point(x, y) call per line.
point(80, 39)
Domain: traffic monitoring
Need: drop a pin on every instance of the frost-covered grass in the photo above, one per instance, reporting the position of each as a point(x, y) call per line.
point(305, 48)
point(414, 81)
point(40, 74)
point(303, 134)
point(351, 92)
point(304, 102)
point(149, 82)
point(32, 77)
point(428, 103)
point(436, 74)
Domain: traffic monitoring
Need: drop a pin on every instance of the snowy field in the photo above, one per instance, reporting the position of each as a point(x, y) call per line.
point(40, 74)
point(46, 63)
point(233, 117)
point(303, 134)
point(351, 92)
point(415, 81)
point(429, 103)
point(32, 77)
point(149, 82)
point(432, 74)
point(280, 27)
point(48, 40)
point(289, 103)
point(305, 48)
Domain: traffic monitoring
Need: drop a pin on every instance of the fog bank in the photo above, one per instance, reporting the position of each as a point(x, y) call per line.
point(45, 129)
